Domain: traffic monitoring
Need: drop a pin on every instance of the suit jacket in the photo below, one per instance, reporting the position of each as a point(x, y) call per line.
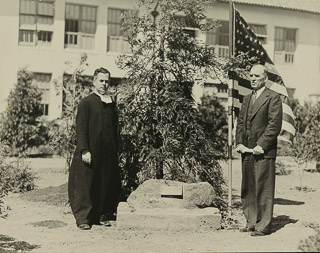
point(264, 123)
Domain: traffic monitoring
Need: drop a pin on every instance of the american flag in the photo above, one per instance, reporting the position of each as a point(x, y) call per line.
point(247, 42)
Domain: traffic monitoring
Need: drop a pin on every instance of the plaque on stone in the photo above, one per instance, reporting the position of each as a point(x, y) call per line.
point(171, 191)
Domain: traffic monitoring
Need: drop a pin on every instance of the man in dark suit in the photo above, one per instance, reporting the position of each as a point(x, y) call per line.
point(258, 127)
point(94, 181)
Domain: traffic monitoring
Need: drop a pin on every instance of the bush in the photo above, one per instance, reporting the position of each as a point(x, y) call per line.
point(62, 131)
point(311, 244)
point(215, 123)
point(306, 146)
point(15, 176)
point(281, 169)
point(284, 149)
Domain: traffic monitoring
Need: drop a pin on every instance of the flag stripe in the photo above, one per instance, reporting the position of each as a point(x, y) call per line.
point(288, 127)
point(285, 136)
point(289, 119)
point(287, 110)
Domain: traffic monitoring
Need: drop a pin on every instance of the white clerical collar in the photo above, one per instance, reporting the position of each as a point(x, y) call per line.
point(258, 92)
point(106, 99)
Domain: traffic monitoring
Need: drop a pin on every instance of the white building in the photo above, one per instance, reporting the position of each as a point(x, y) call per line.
point(43, 34)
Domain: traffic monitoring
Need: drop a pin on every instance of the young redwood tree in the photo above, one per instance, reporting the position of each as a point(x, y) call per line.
point(162, 130)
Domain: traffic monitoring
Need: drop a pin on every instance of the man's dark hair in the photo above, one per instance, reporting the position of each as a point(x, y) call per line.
point(101, 70)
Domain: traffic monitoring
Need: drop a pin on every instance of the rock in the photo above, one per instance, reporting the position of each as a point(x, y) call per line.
point(149, 195)
point(198, 194)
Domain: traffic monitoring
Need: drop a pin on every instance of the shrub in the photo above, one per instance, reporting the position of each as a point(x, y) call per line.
point(306, 146)
point(62, 131)
point(311, 244)
point(215, 123)
point(15, 176)
point(282, 169)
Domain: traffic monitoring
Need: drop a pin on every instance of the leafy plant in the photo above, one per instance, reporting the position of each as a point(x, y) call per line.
point(15, 174)
point(215, 124)
point(281, 169)
point(21, 126)
point(311, 244)
point(62, 131)
point(164, 135)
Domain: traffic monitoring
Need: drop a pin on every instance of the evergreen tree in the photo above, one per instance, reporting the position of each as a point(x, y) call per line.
point(162, 130)
point(215, 124)
point(21, 126)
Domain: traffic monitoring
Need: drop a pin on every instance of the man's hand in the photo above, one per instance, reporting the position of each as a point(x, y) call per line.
point(257, 150)
point(86, 157)
point(241, 148)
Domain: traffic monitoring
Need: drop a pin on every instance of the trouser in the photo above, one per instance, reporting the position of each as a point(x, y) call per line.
point(257, 191)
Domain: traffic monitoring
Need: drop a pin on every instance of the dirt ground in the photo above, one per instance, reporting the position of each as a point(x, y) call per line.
point(35, 225)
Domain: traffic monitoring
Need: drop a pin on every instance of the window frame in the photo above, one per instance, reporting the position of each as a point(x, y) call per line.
point(45, 88)
point(121, 39)
point(221, 49)
point(262, 37)
point(282, 55)
point(29, 34)
point(79, 35)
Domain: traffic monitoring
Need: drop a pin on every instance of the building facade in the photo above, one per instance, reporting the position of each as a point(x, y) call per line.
point(45, 35)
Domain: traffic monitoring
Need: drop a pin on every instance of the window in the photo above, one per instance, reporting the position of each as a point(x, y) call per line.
point(218, 39)
point(188, 23)
point(117, 38)
point(260, 31)
point(42, 81)
point(36, 22)
point(80, 26)
point(285, 45)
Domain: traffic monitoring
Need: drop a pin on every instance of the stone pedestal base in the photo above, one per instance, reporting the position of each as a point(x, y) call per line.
point(167, 218)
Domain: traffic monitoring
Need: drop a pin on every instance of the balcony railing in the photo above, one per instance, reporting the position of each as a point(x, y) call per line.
point(219, 50)
point(79, 40)
point(283, 57)
point(118, 44)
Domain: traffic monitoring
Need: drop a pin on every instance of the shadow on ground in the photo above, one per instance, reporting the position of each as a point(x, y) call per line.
point(49, 224)
point(280, 221)
point(9, 244)
point(287, 202)
point(50, 195)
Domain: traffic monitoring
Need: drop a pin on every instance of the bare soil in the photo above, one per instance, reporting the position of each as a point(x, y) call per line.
point(39, 221)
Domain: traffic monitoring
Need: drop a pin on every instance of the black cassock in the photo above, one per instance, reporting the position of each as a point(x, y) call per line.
point(94, 189)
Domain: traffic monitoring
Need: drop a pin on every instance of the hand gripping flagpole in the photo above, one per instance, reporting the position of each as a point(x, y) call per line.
point(230, 106)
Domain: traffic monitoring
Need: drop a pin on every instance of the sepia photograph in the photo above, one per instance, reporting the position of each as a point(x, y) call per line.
point(159, 126)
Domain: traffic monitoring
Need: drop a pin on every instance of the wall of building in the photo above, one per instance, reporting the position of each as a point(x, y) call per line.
point(53, 58)
point(303, 75)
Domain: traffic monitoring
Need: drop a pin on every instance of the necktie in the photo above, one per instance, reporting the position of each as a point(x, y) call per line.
point(254, 96)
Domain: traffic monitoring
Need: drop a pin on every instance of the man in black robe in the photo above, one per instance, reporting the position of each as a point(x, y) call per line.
point(94, 181)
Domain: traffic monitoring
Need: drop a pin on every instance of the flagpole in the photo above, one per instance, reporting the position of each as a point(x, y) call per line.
point(230, 105)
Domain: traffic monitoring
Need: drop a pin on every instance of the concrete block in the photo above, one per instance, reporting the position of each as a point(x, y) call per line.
point(167, 218)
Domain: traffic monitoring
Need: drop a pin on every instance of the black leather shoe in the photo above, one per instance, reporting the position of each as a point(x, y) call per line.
point(84, 226)
point(246, 229)
point(259, 233)
point(105, 220)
